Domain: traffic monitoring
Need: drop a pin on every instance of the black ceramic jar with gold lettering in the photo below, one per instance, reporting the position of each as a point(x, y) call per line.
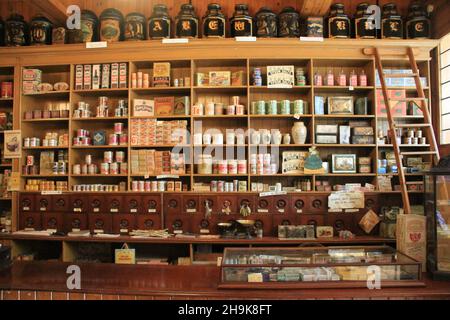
point(241, 22)
point(266, 23)
point(418, 25)
point(391, 22)
point(40, 31)
point(111, 25)
point(135, 27)
point(16, 31)
point(338, 22)
point(364, 26)
point(214, 22)
point(159, 24)
point(186, 23)
point(289, 23)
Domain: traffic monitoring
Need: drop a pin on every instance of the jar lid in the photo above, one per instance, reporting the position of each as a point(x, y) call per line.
point(16, 16)
point(241, 7)
point(337, 6)
point(390, 6)
point(159, 7)
point(362, 6)
point(187, 7)
point(214, 6)
point(288, 10)
point(265, 10)
point(111, 13)
point(88, 14)
point(40, 17)
point(135, 14)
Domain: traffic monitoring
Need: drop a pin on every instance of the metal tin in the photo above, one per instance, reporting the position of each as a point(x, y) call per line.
point(76, 169)
point(272, 107)
point(113, 140)
point(363, 26)
point(289, 23)
point(418, 24)
point(241, 24)
point(114, 168)
point(214, 22)
point(266, 23)
point(135, 27)
point(285, 107)
point(40, 31)
point(111, 25)
point(338, 22)
point(59, 35)
point(26, 142)
point(108, 156)
point(391, 22)
point(30, 160)
point(118, 128)
point(16, 31)
point(120, 156)
point(104, 168)
point(186, 23)
point(55, 168)
point(6, 89)
point(62, 168)
point(159, 24)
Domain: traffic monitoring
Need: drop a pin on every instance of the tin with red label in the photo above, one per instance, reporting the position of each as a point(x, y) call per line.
point(108, 156)
point(6, 89)
point(120, 156)
point(123, 140)
point(114, 168)
point(134, 186)
point(30, 160)
point(113, 140)
point(147, 186)
point(124, 168)
point(118, 128)
point(104, 168)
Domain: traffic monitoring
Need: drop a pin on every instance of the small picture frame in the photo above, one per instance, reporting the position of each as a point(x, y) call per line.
point(340, 105)
point(344, 163)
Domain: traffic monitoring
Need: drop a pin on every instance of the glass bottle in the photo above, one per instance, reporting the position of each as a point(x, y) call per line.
point(342, 78)
point(363, 79)
point(159, 24)
point(318, 80)
point(353, 81)
point(330, 78)
point(241, 22)
point(186, 23)
point(214, 22)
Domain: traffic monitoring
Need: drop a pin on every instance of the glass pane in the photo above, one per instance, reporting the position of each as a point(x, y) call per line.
point(443, 222)
point(445, 74)
point(445, 59)
point(445, 137)
point(445, 124)
point(445, 43)
point(445, 106)
point(445, 90)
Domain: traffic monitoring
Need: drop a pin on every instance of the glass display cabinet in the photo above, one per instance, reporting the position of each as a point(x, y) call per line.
point(318, 267)
point(437, 208)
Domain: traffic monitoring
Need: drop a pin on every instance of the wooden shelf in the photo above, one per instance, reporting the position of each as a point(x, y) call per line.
point(220, 145)
point(93, 119)
point(46, 120)
point(281, 145)
point(45, 176)
point(44, 148)
point(5, 199)
point(162, 146)
point(404, 146)
point(345, 145)
point(231, 175)
point(346, 175)
point(287, 116)
point(169, 176)
point(99, 175)
point(281, 175)
point(161, 89)
point(401, 117)
point(100, 147)
point(163, 117)
point(6, 99)
point(102, 91)
point(222, 116)
point(5, 165)
point(342, 88)
point(267, 89)
point(404, 88)
point(343, 116)
point(49, 93)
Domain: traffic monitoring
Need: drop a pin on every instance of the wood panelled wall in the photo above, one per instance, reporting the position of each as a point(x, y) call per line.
point(26, 8)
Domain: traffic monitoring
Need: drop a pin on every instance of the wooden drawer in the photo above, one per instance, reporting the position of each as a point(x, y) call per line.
point(53, 220)
point(114, 204)
point(43, 203)
point(123, 223)
point(97, 204)
point(100, 221)
point(133, 204)
point(61, 203)
point(152, 204)
point(317, 204)
point(79, 203)
point(30, 220)
point(26, 202)
point(75, 221)
point(149, 222)
point(172, 204)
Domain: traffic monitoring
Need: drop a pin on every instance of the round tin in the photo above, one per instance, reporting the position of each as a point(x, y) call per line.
point(266, 23)
point(120, 156)
point(232, 167)
point(76, 169)
point(6, 89)
point(104, 168)
point(272, 107)
point(289, 23)
point(298, 107)
point(26, 142)
point(114, 168)
point(108, 156)
point(147, 186)
point(223, 167)
point(285, 107)
point(118, 128)
point(113, 140)
point(242, 167)
point(213, 186)
point(135, 186)
point(88, 159)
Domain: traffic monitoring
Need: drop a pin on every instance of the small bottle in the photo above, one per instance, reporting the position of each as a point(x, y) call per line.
point(330, 78)
point(342, 78)
point(363, 79)
point(318, 80)
point(301, 78)
point(353, 79)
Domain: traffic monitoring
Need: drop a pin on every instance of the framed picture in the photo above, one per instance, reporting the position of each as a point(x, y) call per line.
point(344, 163)
point(340, 105)
point(13, 144)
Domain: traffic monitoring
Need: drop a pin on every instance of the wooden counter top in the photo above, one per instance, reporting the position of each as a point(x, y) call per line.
point(178, 282)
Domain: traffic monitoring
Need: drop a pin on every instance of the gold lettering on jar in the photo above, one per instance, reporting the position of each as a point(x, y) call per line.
point(239, 26)
point(213, 24)
point(186, 25)
point(341, 25)
point(393, 25)
point(419, 27)
point(157, 26)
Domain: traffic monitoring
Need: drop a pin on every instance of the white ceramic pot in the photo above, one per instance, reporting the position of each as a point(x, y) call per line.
point(299, 132)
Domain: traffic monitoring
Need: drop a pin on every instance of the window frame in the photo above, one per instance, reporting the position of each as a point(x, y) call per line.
point(443, 51)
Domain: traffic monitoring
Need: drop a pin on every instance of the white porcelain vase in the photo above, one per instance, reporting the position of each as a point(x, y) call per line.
point(299, 133)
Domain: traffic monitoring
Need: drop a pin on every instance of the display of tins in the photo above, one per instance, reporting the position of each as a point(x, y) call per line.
point(59, 35)
point(111, 25)
point(241, 23)
point(2, 32)
point(418, 25)
point(40, 31)
point(16, 31)
point(266, 23)
point(135, 27)
point(214, 22)
point(186, 22)
point(289, 23)
point(391, 22)
point(364, 26)
point(159, 23)
point(338, 22)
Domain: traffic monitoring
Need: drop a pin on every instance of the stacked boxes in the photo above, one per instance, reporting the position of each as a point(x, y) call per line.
point(399, 82)
point(148, 132)
point(104, 76)
point(327, 134)
point(31, 79)
point(363, 135)
point(364, 165)
point(152, 162)
point(400, 107)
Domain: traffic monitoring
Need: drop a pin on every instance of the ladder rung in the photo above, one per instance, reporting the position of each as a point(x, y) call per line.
point(400, 75)
point(412, 125)
point(417, 153)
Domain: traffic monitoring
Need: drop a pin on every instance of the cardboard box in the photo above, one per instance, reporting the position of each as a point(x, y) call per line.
point(106, 76)
point(161, 74)
point(143, 108)
point(280, 76)
point(327, 129)
point(32, 75)
point(164, 106)
point(220, 78)
point(123, 75)
point(114, 76)
point(411, 236)
point(326, 139)
point(344, 134)
point(363, 140)
point(398, 110)
point(87, 77)
point(181, 106)
point(79, 77)
point(237, 78)
point(363, 131)
point(96, 76)
point(30, 87)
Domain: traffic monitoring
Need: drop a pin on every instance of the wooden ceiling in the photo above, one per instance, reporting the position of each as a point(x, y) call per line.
point(54, 8)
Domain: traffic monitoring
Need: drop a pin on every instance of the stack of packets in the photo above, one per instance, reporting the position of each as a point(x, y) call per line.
point(149, 132)
point(354, 187)
point(150, 234)
point(152, 162)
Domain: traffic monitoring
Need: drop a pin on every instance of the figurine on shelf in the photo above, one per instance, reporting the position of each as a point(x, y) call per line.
point(313, 163)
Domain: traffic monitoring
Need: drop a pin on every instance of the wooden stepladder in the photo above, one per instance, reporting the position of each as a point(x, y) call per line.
point(421, 101)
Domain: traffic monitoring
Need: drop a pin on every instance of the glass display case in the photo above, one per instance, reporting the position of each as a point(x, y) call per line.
point(318, 267)
point(437, 208)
